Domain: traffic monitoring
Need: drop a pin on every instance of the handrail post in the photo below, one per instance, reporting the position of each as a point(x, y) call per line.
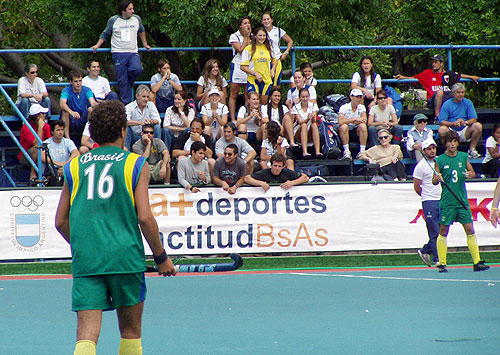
point(449, 57)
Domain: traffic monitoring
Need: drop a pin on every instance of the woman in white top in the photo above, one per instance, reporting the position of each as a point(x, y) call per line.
point(305, 114)
point(251, 119)
point(367, 81)
point(275, 34)
point(211, 77)
point(292, 96)
point(491, 161)
point(383, 116)
point(307, 69)
point(214, 114)
point(238, 40)
point(273, 143)
point(276, 111)
point(179, 116)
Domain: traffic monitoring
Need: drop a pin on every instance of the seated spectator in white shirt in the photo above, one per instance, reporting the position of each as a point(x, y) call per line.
point(352, 116)
point(97, 83)
point(272, 144)
point(61, 149)
point(417, 135)
point(140, 112)
point(214, 114)
point(31, 90)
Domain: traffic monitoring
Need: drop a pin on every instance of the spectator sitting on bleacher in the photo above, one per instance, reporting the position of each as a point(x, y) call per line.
point(211, 78)
point(156, 153)
point(177, 118)
point(31, 90)
point(87, 143)
point(438, 83)
point(307, 69)
point(246, 152)
point(459, 115)
point(76, 103)
point(194, 170)
point(251, 119)
point(164, 84)
point(277, 173)
point(305, 113)
point(140, 112)
point(274, 143)
point(36, 120)
point(214, 114)
point(229, 171)
point(491, 161)
point(352, 115)
point(292, 95)
point(388, 156)
point(383, 116)
point(416, 135)
point(61, 149)
point(182, 146)
point(97, 83)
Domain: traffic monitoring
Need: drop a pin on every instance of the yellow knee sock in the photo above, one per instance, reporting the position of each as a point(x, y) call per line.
point(442, 249)
point(130, 347)
point(85, 347)
point(473, 248)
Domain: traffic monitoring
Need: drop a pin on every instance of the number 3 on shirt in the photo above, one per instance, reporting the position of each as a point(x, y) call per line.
point(454, 176)
point(105, 183)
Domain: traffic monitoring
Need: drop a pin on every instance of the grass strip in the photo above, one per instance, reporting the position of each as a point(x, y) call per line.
point(272, 263)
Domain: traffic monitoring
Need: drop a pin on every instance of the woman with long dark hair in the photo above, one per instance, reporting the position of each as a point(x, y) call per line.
point(210, 78)
point(259, 63)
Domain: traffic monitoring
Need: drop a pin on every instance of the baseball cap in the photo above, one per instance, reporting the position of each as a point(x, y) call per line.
point(35, 109)
point(427, 143)
point(214, 90)
point(356, 92)
point(437, 57)
point(419, 116)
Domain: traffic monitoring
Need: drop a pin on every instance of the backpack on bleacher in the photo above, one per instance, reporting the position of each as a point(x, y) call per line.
point(335, 101)
point(396, 100)
point(330, 141)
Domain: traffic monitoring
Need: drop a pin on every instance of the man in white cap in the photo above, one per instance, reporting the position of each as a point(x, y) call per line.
point(352, 115)
point(430, 194)
point(416, 135)
point(36, 119)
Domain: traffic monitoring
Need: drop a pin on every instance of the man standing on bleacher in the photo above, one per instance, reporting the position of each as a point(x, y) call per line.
point(459, 114)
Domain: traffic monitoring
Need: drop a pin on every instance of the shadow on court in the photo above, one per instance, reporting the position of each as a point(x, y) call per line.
point(391, 311)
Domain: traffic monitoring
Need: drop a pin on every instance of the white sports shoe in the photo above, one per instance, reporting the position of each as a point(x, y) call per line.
point(473, 154)
point(347, 155)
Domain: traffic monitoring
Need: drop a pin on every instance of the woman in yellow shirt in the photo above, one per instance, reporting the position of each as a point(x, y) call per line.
point(260, 65)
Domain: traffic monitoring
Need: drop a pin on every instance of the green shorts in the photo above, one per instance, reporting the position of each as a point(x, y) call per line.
point(108, 292)
point(448, 215)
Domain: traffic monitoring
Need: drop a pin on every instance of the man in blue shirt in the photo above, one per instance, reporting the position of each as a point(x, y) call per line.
point(76, 103)
point(459, 114)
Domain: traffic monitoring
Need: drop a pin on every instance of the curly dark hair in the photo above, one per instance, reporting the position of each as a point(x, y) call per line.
point(450, 136)
point(107, 121)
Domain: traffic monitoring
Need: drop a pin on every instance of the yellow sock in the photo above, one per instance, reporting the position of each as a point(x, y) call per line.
point(85, 347)
point(473, 248)
point(442, 249)
point(130, 347)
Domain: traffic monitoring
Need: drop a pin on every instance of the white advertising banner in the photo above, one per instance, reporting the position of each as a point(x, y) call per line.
point(309, 218)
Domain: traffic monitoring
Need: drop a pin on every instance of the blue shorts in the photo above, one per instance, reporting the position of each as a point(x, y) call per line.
point(259, 88)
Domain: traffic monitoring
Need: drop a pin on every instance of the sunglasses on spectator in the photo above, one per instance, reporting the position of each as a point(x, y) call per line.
point(148, 132)
point(382, 98)
point(33, 72)
point(422, 121)
point(383, 137)
point(228, 154)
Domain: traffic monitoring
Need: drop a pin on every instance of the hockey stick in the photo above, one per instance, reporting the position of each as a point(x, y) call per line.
point(235, 265)
point(445, 184)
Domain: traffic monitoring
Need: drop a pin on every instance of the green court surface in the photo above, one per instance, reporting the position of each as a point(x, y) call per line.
point(367, 311)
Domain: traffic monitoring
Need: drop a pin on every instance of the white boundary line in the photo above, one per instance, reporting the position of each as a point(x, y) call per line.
point(390, 277)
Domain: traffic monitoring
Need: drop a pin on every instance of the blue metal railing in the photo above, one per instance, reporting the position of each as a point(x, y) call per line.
point(448, 47)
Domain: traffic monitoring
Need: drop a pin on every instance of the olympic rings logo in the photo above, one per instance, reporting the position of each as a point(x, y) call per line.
point(27, 202)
